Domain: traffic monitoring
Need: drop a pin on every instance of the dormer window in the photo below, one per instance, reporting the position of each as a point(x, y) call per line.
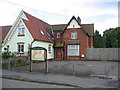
point(73, 35)
point(21, 30)
point(42, 32)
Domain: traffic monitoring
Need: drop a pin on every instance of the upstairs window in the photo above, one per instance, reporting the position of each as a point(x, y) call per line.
point(21, 30)
point(58, 35)
point(73, 35)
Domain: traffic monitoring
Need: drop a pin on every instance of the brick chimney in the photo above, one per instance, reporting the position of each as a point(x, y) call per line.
point(79, 20)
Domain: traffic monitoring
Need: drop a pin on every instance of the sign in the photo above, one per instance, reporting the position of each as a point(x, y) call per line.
point(38, 55)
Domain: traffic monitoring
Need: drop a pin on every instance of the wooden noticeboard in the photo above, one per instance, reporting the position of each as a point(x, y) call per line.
point(38, 54)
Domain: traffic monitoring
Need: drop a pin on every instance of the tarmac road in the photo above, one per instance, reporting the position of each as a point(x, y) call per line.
point(8, 83)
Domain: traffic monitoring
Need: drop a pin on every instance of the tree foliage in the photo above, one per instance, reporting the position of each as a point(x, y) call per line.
point(98, 41)
point(110, 38)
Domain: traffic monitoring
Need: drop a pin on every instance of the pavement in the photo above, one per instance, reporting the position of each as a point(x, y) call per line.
point(60, 79)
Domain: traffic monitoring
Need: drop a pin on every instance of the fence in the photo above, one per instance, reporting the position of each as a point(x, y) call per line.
point(102, 53)
point(14, 61)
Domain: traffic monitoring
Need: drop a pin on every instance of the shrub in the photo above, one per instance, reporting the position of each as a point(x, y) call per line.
point(20, 62)
point(7, 54)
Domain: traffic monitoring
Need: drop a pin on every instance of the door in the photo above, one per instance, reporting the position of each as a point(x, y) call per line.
point(59, 54)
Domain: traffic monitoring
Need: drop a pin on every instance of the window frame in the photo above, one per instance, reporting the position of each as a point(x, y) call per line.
point(49, 48)
point(58, 35)
point(73, 35)
point(21, 48)
point(21, 30)
point(73, 50)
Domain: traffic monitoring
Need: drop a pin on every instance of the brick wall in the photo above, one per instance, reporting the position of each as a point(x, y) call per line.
point(81, 37)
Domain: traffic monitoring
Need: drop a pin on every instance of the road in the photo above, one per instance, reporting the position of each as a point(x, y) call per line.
point(8, 83)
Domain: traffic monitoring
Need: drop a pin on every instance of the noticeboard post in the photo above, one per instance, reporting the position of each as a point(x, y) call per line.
point(38, 54)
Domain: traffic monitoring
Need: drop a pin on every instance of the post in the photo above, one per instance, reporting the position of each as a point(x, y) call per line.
point(46, 62)
point(30, 66)
point(73, 69)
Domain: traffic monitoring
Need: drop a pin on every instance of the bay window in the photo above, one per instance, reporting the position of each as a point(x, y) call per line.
point(73, 50)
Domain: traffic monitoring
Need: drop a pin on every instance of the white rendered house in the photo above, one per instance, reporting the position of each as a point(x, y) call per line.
point(28, 30)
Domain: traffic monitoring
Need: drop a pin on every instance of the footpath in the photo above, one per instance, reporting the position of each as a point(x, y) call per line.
point(59, 79)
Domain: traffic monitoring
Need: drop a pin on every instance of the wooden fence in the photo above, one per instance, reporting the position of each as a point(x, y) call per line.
point(102, 53)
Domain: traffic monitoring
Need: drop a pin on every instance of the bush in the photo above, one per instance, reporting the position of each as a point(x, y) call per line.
point(20, 62)
point(7, 54)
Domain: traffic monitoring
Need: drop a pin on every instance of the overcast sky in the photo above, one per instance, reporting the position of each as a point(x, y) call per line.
point(103, 13)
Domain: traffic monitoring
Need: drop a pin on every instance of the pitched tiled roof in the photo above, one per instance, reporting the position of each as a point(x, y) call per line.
point(58, 27)
point(89, 28)
point(4, 31)
point(34, 25)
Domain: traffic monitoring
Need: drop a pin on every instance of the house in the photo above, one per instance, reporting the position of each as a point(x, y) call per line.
point(72, 39)
point(62, 41)
point(28, 31)
point(3, 31)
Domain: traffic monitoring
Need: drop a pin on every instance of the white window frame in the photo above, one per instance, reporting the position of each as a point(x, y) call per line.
point(49, 49)
point(21, 30)
point(20, 48)
point(73, 50)
point(73, 35)
point(58, 35)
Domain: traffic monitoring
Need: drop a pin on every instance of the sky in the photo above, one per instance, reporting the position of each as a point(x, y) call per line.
point(103, 13)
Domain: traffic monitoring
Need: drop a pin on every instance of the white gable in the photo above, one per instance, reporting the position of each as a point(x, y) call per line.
point(74, 24)
point(23, 16)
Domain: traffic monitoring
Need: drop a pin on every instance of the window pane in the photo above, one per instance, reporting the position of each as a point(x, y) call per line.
point(74, 35)
point(22, 48)
point(73, 50)
point(18, 48)
point(21, 30)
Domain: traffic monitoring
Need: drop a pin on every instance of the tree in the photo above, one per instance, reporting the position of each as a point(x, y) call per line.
point(112, 39)
point(98, 41)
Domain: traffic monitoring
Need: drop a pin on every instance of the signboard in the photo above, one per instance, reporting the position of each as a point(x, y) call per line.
point(38, 55)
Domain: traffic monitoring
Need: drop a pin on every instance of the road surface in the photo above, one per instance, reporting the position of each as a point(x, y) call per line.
point(8, 83)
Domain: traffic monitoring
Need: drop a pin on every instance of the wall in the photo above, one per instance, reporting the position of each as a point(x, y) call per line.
point(55, 36)
point(14, 39)
point(45, 45)
point(81, 37)
point(102, 53)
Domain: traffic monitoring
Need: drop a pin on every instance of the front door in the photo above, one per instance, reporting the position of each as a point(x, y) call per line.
point(59, 54)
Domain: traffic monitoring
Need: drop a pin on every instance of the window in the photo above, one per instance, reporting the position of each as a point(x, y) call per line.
point(49, 48)
point(73, 50)
point(42, 32)
point(73, 35)
point(21, 30)
point(48, 34)
point(58, 35)
point(20, 48)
